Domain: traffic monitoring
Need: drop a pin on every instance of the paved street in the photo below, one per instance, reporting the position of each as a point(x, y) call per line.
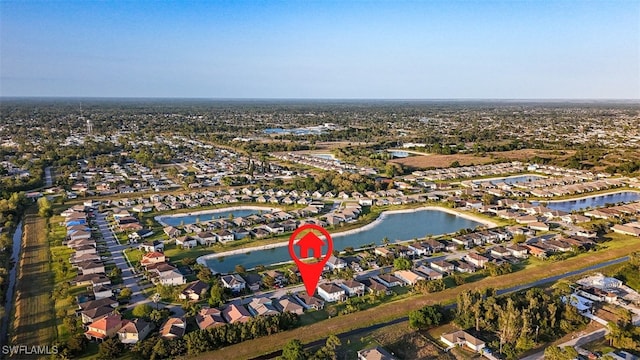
point(128, 278)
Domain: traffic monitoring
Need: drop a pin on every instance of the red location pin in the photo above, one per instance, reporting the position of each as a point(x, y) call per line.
point(310, 245)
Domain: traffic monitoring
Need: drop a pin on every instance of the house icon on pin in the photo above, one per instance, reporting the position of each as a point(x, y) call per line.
point(310, 242)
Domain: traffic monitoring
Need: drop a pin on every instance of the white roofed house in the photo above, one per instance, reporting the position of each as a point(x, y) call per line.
point(408, 276)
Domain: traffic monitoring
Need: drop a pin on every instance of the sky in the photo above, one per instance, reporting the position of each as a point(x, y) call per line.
point(351, 49)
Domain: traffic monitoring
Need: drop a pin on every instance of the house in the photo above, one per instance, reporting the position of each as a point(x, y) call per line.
point(537, 251)
point(352, 287)
point(376, 287)
point(262, 306)
point(518, 251)
point(224, 236)
point(409, 277)
point(85, 250)
point(234, 282)
point(206, 238)
point(91, 267)
point(149, 246)
point(539, 226)
point(429, 273)
point(309, 302)
point(104, 328)
point(253, 281)
point(463, 338)
point(476, 259)
point(173, 277)
point(419, 249)
point(626, 230)
point(133, 331)
point(96, 313)
point(389, 280)
point(287, 304)
point(173, 328)
point(194, 291)
point(335, 263)
point(442, 266)
point(101, 292)
point(383, 251)
point(376, 353)
point(310, 241)
point(153, 257)
point(331, 292)
point(209, 317)
point(186, 242)
point(236, 313)
point(499, 251)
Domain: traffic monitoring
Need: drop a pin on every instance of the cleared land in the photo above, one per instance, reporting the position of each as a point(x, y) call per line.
point(618, 247)
point(34, 321)
point(441, 161)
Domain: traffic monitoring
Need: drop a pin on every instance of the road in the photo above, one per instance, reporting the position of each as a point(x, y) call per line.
point(129, 278)
point(579, 341)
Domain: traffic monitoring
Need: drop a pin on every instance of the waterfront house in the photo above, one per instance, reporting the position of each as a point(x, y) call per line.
point(234, 282)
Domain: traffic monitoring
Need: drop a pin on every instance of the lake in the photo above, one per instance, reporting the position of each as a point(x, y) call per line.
point(192, 219)
point(513, 179)
point(593, 201)
point(399, 226)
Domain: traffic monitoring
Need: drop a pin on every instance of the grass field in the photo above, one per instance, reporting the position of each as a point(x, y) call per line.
point(34, 320)
point(442, 161)
point(618, 246)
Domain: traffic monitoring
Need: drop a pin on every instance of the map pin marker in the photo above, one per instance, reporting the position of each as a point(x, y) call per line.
point(310, 245)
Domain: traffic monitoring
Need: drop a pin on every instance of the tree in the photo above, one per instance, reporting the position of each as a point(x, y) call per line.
point(188, 261)
point(556, 353)
point(125, 294)
point(293, 350)
point(519, 238)
point(217, 295)
point(110, 349)
point(142, 310)
point(426, 317)
point(402, 264)
point(268, 281)
point(44, 207)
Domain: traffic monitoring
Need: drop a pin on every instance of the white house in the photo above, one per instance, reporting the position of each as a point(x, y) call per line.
point(234, 282)
point(331, 292)
point(462, 338)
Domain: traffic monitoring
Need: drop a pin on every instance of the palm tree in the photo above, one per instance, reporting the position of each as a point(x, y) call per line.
point(385, 240)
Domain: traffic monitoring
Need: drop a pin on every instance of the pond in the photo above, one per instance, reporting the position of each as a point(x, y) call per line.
point(186, 219)
point(593, 201)
point(394, 226)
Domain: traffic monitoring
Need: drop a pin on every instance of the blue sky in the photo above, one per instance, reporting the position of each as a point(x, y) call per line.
point(321, 49)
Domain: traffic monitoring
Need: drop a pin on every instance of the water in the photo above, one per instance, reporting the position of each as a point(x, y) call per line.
point(399, 154)
point(401, 226)
point(513, 179)
point(593, 201)
point(15, 255)
point(192, 219)
point(324, 156)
